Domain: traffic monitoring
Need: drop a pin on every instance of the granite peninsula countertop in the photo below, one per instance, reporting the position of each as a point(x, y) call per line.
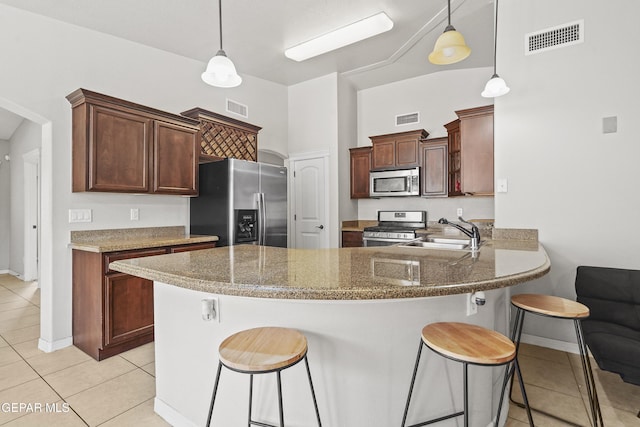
point(122, 239)
point(371, 273)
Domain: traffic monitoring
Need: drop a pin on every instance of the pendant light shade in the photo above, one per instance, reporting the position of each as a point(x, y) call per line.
point(220, 70)
point(450, 46)
point(496, 86)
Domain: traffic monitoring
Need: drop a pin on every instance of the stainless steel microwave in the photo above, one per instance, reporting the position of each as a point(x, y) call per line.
point(401, 182)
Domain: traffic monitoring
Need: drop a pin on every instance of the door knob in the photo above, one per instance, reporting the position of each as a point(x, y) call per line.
point(321, 227)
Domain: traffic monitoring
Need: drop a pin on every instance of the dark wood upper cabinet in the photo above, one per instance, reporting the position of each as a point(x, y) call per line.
point(119, 146)
point(224, 137)
point(397, 150)
point(360, 168)
point(175, 145)
point(434, 167)
point(470, 140)
point(110, 167)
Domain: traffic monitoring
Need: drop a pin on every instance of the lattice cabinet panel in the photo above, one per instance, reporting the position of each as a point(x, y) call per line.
point(225, 137)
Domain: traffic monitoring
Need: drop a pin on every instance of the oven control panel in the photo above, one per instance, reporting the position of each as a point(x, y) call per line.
point(391, 234)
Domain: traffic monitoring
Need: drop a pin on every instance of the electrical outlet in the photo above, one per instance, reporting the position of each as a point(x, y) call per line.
point(210, 309)
point(472, 307)
point(459, 212)
point(134, 214)
point(502, 185)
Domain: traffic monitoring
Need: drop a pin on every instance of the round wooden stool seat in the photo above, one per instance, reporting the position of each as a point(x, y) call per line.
point(469, 343)
point(263, 349)
point(548, 305)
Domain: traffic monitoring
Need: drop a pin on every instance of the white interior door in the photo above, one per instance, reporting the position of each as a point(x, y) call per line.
point(310, 203)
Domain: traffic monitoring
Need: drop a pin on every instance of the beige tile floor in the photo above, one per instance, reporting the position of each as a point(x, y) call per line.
point(80, 391)
point(119, 391)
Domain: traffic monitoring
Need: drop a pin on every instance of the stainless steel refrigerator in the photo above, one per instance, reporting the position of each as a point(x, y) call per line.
point(241, 202)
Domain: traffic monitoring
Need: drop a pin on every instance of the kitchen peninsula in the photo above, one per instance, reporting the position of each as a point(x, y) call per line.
point(361, 309)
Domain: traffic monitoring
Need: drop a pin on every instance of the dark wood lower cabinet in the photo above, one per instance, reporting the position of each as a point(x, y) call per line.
point(112, 311)
point(128, 313)
point(352, 239)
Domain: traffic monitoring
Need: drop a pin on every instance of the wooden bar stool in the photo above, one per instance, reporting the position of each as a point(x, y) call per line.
point(261, 351)
point(468, 344)
point(561, 308)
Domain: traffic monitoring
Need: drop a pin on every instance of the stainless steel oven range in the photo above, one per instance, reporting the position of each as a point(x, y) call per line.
point(394, 227)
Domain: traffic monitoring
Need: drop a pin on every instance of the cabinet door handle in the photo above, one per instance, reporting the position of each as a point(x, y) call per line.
point(321, 227)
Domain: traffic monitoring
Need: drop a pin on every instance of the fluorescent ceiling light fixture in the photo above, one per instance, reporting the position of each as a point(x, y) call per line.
point(349, 34)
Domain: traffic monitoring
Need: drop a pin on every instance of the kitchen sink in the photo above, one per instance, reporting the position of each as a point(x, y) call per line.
point(439, 243)
point(446, 240)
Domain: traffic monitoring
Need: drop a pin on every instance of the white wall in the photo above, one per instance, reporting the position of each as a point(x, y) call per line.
point(436, 97)
point(313, 127)
point(573, 183)
point(26, 138)
point(347, 138)
point(69, 57)
point(5, 204)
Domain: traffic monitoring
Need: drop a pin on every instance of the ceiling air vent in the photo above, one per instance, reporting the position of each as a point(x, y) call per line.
point(554, 38)
point(407, 119)
point(237, 108)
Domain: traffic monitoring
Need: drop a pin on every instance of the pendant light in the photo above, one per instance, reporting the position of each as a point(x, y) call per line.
point(220, 71)
point(496, 86)
point(450, 46)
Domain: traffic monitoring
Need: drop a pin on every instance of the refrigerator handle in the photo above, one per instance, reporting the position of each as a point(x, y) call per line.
point(262, 220)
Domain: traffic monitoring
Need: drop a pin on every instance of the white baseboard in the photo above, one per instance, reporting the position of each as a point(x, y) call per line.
point(568, 347)
point(11, 272)
point(170, 415)
point(49, 347)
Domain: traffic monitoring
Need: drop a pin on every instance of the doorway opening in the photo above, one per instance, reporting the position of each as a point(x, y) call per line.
point(40, 166)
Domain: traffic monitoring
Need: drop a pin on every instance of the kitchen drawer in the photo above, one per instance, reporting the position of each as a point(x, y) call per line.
point(117, 256)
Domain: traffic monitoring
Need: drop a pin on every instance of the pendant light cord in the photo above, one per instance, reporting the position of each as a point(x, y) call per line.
point(448, 13)
point(495, 41)
point(220, 17)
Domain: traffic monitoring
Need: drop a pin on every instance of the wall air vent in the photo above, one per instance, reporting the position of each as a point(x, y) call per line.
point(554, 38)
point(237, 108)
point(407, 119)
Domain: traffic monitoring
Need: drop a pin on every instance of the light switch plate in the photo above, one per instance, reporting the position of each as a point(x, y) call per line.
point(80, 215)
point(134, 214)
point(610, 124)
point(501, 185)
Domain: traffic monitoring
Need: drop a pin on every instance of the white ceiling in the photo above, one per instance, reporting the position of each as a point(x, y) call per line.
point(256, 33)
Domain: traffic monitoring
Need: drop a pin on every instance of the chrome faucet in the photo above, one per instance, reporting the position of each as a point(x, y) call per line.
point(474, 234)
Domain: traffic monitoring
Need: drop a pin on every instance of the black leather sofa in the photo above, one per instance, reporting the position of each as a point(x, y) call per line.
point(612, 331)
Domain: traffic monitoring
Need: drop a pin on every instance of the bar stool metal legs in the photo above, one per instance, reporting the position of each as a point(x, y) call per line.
point(596, 414)
point(251, 421)
point(497, 351)
point(516, 334)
